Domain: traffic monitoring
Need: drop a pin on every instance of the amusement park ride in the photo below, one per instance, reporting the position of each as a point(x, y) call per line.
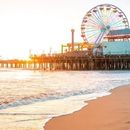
point(102, 23)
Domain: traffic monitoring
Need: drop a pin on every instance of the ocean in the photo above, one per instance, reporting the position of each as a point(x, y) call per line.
point(28, 99)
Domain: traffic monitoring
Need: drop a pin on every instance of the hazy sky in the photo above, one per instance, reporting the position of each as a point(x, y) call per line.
point(38, 25)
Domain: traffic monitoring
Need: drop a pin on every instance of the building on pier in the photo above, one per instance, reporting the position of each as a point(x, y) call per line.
point(78, 46)
point(117, 42)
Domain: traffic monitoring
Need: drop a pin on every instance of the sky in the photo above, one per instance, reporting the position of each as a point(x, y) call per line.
point(43, 25)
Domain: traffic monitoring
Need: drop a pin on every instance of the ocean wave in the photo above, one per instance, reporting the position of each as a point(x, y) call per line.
point(42, 97)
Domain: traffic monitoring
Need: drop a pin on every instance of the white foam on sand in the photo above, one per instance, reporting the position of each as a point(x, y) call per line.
point(34, 116)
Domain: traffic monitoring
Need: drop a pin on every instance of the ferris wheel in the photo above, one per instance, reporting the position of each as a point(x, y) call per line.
point(100, 20)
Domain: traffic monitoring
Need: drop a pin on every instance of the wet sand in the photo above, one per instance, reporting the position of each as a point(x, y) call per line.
point(106, 113)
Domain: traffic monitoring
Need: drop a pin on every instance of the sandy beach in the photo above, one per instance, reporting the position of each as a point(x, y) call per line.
point(106, 113)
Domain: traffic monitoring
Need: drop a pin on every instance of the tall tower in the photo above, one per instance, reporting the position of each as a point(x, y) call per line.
point(72, 38)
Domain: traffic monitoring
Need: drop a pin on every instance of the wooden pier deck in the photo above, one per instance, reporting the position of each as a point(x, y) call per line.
point(71, 61)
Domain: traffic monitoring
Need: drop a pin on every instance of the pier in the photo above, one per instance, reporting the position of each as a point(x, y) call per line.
point(105, 46)
point(70, 61)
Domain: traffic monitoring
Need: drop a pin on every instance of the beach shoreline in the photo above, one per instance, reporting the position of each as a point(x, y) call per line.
point(110, 112)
